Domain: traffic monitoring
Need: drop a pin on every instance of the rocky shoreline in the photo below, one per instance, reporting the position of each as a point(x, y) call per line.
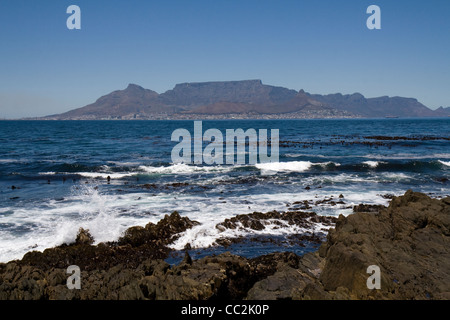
point(409, 241)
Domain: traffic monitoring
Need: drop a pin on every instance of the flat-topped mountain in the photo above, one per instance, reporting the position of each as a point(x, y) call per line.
point(205, 93)
point(242, 99)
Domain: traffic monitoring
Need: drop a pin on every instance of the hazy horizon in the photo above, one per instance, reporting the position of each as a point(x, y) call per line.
point(322, 47)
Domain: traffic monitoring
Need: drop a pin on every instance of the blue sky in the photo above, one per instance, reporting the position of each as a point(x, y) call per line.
point(320, 46)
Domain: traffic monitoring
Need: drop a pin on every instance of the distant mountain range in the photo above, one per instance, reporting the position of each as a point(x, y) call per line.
point(242, 99)
point(443, 112)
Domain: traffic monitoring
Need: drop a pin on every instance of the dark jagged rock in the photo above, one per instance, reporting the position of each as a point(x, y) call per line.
point(163, 232)
point(409, 241)
point(84, 237)
point(225, 276)
point(256, 220)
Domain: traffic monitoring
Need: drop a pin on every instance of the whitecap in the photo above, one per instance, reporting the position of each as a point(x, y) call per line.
point(182, 168)
point(291, 166)
point(270, 168)
point(105, 175)
point(372, 164)
point(92, 175)
point(445, 163)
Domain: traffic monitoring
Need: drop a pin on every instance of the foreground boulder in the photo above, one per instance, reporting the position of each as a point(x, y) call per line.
point(409, 242)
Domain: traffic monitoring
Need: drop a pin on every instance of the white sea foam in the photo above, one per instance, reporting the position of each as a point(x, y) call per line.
point(93, 175)
point(294, 166)
point(108, 215)
point(105, 175)
point(179, 168)
point(291, 166)
point(182, 168)
point(58, 222)
point(446, 163)
point(207, 234)
point(373, 164)
point(395, 176)
point(323, 164)
point(10, 161)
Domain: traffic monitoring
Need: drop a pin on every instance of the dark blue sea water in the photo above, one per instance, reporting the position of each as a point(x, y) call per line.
point(53, 176)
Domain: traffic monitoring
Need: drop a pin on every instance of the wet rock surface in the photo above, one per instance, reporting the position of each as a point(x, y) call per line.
point(409, 241)
point(136, 245)
point(258, 220)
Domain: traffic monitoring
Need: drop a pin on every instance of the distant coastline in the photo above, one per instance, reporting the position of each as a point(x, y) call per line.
point(224, 117)
point(246, 99)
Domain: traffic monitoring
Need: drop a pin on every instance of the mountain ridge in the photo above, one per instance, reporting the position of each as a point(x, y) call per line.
point(443, 111)
point(242, 99)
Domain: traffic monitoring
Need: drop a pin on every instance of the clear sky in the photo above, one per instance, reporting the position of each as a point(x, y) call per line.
point(321, 46)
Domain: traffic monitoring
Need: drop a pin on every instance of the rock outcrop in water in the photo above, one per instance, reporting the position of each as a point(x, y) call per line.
point(409, 241)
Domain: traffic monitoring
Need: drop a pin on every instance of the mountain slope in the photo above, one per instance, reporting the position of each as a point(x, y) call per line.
point(443, 112)
point(298, 102)
point(375, 107)
point(132, 100)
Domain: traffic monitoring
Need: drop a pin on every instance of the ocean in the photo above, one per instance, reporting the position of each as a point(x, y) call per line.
point(54, 178)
